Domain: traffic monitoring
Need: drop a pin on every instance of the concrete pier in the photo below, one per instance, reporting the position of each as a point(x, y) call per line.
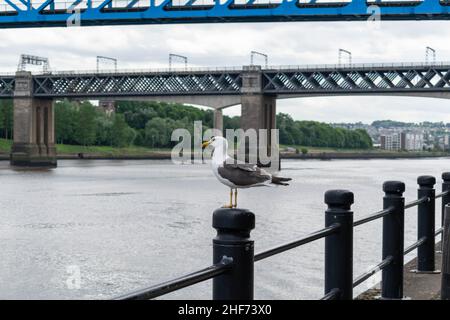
point(218, 120)
point(34, 137)
point(258, 110)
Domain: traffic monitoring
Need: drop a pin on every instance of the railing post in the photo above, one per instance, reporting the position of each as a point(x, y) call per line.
point(445, 198)
point(339, 245)
point(233, 242)
point(393, 240)
point(445, 280)
point(426, 224)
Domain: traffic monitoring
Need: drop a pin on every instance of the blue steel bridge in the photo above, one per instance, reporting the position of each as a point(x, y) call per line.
point(52, 13)
point(285, 81)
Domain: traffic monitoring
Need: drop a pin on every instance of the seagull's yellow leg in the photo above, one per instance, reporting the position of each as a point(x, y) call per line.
point(231, 200)
point(235, 198)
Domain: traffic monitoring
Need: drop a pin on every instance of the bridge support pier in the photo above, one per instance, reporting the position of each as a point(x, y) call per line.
point(258, 111)
point(34, 138)
point(218, 120)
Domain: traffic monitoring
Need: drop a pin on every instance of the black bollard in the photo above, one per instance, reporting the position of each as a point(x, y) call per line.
point(393, 240)
point(426, 224)
point(339, 245)
point(445, 280)
point(233, 242)
point(446, 197)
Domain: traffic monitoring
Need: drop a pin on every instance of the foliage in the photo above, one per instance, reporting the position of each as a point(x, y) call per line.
point(150, 124)
point(83, 124)
point(65, 121)
point(137, 113)
point(121, 134)
point(316, 134)
point(391, 124)
point(6, 118)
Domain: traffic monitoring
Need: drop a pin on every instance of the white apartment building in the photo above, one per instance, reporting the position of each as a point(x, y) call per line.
point(402, 141)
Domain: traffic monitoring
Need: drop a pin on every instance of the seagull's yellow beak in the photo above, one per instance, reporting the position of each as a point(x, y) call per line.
point(205, 144)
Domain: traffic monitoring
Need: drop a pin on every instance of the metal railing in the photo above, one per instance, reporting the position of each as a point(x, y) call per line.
point(388, 65)
point(234, 258)
point(305, 67)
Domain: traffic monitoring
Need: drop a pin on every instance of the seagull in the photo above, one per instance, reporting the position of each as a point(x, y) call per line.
point(237, 175)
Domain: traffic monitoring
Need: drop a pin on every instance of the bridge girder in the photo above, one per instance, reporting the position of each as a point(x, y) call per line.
point(420, 79)
point(137, 84)
point(53, 13)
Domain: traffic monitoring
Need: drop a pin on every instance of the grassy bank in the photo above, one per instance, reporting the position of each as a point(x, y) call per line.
point(108, 151)
point(313, 150)
point(5, 147)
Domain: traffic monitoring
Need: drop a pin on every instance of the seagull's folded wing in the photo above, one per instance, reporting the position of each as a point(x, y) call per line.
point(243, 174)
point(243, 166)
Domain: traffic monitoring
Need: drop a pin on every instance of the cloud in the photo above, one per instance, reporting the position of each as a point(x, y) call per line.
point(214, 45)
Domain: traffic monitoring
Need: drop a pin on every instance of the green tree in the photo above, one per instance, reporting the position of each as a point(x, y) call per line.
point(85, 130)
point(122, 134)
point(103, 127)
point(65, 121)
point(6, 118)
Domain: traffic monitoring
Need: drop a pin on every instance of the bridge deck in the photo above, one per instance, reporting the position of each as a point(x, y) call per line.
point(386, 78)
point(52, 13)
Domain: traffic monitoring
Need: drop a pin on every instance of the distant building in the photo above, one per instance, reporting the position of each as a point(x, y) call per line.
point(391, 142)
point(402, 141)
point(107, 106)
point(412, 141)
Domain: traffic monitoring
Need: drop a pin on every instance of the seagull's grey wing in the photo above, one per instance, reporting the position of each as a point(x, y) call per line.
point(243, 174)
point(243, 166)
point(250, 167)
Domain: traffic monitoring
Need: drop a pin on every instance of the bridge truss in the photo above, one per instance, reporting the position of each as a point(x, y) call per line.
point(48, 13)
point(143, 84)
point(7, 84)
point(358, 80)
point(295, 81)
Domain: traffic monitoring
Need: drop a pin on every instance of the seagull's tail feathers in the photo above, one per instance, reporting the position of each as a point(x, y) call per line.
point(280, 180)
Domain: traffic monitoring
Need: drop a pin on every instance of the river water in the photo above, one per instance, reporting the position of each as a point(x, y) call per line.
point(97, 229)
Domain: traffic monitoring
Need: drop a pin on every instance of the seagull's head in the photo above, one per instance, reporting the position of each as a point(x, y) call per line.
point(217, 143)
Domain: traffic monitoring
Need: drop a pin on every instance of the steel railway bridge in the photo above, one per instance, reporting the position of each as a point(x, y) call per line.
point(256, 89)
point(427, 79)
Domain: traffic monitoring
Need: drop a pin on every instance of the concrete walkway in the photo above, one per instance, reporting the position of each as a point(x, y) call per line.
point(423, 286)
point(415, 286)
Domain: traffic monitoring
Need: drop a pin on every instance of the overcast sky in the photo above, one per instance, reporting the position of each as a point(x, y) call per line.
point(230, 45)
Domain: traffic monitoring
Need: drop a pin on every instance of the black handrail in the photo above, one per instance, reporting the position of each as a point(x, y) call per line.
point(290, 245)
point(441, 194)
point(415, 245)
point(372, 271)
point(373, 216)
point(416, 202)
point(179, 283)
point(332, 295)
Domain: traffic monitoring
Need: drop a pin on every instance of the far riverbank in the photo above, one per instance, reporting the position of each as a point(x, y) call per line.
point(166, 155)
point(71, 152)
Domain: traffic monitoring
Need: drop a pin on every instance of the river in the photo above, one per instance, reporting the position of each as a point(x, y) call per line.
point(117, 226)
